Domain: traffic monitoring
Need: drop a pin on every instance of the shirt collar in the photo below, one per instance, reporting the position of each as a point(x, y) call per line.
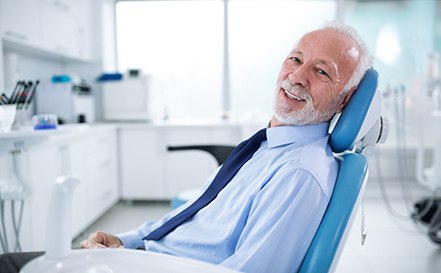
point(282, 135)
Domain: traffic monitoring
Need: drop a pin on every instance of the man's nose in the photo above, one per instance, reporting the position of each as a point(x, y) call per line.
point(299, 76)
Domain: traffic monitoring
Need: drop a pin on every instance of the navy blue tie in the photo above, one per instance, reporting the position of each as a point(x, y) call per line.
point(241, 154)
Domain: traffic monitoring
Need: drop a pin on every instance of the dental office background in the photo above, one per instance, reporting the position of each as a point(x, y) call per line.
point(217, 61)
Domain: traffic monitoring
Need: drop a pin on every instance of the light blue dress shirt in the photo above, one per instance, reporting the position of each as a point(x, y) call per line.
point(265, 219)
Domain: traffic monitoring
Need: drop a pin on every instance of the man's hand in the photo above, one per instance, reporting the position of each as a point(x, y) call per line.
point(100, 239)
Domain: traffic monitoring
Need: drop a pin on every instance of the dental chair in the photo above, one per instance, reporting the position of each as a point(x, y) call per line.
point(354, 136)
point(354, 133)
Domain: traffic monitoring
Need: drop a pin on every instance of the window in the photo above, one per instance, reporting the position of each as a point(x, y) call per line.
point(181, 44)
point(261, 35)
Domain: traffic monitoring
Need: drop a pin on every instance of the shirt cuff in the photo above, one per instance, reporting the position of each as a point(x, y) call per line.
point(131, 239)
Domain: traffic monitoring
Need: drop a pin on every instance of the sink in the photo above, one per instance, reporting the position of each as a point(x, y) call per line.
point(120, 261)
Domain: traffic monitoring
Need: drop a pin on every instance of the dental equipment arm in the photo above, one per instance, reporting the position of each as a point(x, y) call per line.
point(59, 231)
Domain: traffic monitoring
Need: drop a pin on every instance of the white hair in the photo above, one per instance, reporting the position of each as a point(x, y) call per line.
point(365, 59)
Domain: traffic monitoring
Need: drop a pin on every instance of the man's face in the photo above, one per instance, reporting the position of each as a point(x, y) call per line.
point(312, 78)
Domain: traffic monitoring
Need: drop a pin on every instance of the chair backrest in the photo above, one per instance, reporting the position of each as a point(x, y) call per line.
point(355, 121)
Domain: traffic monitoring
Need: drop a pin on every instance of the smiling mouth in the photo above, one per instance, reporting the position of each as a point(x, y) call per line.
point(291, 96)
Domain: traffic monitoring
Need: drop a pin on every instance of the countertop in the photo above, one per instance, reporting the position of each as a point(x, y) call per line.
point(27, 136)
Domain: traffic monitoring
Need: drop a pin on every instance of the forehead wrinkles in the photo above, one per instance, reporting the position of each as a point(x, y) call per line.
point(336, 48)
point(326, 47)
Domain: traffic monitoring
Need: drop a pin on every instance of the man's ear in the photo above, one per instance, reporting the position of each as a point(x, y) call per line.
point(346, 98)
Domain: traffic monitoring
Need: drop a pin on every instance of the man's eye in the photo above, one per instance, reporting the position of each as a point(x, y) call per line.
point(295, 59)
point(322, 72)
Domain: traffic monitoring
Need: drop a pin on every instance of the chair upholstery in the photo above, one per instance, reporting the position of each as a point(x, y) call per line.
point(327, 245)
point(325, 250)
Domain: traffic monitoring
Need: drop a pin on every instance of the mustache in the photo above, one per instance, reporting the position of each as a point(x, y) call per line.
point(295, 90)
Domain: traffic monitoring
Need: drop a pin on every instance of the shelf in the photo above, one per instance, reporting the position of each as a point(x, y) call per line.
point(38, 51)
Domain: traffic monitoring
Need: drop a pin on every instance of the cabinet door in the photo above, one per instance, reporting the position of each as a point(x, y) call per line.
point(142, 153)
point(20, 20)
point(83, 26)
point(102, 177)
point(58, 26)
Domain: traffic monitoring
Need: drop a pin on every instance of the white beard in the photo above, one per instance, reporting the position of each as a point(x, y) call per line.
point(307, 115)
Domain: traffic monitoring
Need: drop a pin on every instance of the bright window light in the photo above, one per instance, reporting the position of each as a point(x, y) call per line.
point(388, 45)
point(261, 35)
point(180, 43)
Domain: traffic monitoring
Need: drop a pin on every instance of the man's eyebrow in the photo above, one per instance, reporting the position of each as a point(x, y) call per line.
point(297, 52)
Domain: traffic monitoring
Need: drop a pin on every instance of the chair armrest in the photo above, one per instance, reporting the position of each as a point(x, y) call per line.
point(219, 152)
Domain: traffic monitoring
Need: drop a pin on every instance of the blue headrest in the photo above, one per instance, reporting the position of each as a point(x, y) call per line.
point(344, 135)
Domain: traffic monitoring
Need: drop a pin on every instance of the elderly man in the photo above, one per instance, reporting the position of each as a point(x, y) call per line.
point(264, 216)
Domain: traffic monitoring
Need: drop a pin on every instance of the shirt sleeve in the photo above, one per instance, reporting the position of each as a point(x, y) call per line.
point(283, 219)
point(133, 238)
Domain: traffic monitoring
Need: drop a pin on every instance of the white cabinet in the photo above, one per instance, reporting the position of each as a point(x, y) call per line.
point(101, 183)
point(90, 156)
point(142, 159)
point(66, 26)
point(58, 27)
point(149, 171)
point(20, 20)
point(92, 159)
point(84, 27)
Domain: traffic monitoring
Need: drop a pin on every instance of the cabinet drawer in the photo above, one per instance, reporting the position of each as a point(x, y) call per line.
point(102, 163)
point(103, 193)
point(103, 142)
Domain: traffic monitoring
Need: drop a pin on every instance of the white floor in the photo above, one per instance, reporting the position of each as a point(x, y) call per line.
point(392, 244)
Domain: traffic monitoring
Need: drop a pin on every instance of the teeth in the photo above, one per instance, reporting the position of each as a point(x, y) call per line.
point(291, 96)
